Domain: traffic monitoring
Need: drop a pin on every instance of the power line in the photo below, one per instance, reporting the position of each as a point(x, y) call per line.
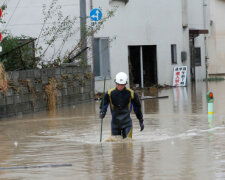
point(40, 6)
point(33, 24)
point(12, 13)
point(4, 2)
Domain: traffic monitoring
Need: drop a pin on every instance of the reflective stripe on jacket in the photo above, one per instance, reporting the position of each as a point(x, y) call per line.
point(121, 104)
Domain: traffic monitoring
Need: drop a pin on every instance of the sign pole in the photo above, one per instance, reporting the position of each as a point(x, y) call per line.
point(141, 64)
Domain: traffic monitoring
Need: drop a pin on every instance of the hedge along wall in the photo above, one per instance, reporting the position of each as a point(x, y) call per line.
point(27, 93)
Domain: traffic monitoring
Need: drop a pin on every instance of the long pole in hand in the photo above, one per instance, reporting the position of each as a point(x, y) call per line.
point(102, 110)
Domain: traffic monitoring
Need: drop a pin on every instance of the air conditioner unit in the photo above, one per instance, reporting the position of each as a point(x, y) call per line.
point(183, 56)
point(125, 1)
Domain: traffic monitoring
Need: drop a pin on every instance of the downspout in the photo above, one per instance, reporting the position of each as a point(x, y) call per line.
point(186, 42)
point(205, 37)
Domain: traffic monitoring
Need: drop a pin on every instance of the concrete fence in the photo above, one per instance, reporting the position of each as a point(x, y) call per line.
point(26, 91)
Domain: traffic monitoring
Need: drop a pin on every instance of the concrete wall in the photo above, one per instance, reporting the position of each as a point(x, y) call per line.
point(26, 89)
point(217, 38)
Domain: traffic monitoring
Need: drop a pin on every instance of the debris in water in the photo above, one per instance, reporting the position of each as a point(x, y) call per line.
point(36, 166)
point(118, 139)
point(15, 143)
point(51, 94)
point(153, 97)
point(98, 96)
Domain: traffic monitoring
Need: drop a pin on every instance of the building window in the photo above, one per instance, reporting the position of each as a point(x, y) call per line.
point(101, 58)
point(174, 53)
point(197, 56)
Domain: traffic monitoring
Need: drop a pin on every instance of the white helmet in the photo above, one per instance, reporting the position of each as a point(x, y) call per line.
point(121, 78)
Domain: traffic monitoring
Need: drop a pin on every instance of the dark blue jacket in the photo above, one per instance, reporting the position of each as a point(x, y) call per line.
point(121, 103)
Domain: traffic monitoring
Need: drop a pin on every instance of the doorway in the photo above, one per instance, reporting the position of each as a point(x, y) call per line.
point(143, 65)
point(192, 59)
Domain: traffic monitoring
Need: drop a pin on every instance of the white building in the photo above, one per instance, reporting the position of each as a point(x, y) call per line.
point(151, 37)
point(217, 38)
point(163, 30)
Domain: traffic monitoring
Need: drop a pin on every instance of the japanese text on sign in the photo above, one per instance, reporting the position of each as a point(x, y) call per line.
point(180, 76)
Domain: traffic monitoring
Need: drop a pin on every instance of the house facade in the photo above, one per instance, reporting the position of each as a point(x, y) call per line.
point(152, 37)
point(217, 39)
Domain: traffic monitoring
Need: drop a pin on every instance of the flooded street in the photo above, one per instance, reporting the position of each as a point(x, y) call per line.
point(178, 141)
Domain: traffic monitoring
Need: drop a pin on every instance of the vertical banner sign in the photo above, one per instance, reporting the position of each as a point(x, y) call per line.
point(180, 76)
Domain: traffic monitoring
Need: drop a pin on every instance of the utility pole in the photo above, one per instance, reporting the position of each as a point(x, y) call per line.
point(83, 30)
point(92, 49)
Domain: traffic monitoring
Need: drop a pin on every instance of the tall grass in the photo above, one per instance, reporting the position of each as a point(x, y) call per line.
point(3, 78)
point(51, 94)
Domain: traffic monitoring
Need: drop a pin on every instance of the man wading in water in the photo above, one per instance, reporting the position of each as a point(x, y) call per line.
point(121, 100)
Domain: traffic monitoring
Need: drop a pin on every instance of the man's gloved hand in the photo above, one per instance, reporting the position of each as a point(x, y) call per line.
point(101, 114)
point(141, 122)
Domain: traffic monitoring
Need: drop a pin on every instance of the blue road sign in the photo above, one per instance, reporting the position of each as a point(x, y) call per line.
point(96, 14)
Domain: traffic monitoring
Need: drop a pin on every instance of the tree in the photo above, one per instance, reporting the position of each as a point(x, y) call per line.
point(17, 52)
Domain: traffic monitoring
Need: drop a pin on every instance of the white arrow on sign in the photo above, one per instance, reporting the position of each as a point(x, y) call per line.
point(96, 16)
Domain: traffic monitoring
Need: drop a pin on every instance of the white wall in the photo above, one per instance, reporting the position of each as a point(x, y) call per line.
point(198, 19)
point(152, 22)
point(195, 14)
point(217, 38)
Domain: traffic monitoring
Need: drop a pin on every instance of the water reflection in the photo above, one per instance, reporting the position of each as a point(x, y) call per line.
point(179, 141)
point(189, 99)
point(126, 163)
point(180, 95)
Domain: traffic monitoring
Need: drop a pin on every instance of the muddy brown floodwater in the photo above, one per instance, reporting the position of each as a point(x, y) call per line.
point(178, 142)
